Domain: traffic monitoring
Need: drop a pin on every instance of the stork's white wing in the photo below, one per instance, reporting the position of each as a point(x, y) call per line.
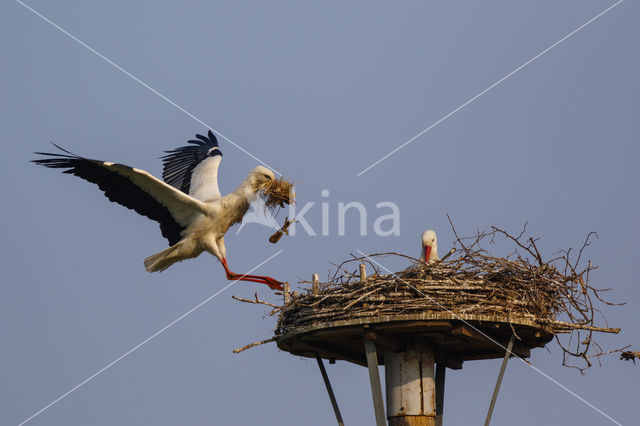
point(193, 169)
point(182, 207)
point(204, 179)
point(135, 189)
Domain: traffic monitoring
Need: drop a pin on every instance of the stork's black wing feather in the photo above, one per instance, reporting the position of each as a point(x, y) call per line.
point(122, 184)
point(179, 163)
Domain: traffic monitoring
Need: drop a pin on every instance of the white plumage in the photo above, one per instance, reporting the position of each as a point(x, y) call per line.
point(204, 179)
point(191, 212)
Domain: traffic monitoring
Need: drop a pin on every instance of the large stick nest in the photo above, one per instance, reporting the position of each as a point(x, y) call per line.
point(555, 294)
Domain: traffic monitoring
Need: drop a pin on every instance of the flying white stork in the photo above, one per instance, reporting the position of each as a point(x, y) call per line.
point(192, 214)
point(429, 247)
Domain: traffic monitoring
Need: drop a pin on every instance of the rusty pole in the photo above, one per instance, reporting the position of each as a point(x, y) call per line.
point(411, 388)
point(441, 371)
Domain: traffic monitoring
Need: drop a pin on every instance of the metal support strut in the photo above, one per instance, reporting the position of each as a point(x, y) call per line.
point(374, 378)
point(332, 397)
point(499, 381)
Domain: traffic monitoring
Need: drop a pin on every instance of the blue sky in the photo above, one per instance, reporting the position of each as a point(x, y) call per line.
point(319, 91)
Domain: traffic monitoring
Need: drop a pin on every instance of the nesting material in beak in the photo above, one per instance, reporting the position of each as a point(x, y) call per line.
point(277, 193)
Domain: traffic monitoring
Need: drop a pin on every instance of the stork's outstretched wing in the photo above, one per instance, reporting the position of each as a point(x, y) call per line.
point(134, 189)
point(193, 169)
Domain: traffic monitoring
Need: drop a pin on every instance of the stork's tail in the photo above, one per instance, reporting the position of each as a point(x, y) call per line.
point(160, 261)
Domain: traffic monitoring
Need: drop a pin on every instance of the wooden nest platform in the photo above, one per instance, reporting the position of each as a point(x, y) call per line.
point(429, 317)
point(460, 317)
point(454, 341)
point(466, 306)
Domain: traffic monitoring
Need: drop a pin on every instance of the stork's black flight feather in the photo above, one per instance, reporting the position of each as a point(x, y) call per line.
point(180, 162)
point(117, 187)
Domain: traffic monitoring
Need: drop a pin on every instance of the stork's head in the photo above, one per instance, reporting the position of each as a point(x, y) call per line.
point(429, 246)
point(261, 176)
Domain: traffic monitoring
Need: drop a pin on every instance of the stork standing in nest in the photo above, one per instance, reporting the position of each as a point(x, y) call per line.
point(191, 212)
point(429, 247)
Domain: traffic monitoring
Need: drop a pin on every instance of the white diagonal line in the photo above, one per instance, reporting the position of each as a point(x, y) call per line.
point(136, 347)
point(491, 87)
point(494, 341)
point(133, 77)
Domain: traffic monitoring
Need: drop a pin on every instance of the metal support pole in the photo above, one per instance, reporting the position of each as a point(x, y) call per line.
point(411, 388)
point(411, 393)
point(440, 375)
point(332, 397)
point(499, 381)
point(374, 378)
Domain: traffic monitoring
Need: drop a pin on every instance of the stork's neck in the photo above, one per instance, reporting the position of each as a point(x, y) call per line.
point(236, 204)
point(247, 190)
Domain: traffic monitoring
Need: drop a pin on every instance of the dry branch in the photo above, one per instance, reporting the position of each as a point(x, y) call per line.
point(256, 301)
point(254, 344)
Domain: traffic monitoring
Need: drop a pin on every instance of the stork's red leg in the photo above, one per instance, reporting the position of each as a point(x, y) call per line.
point(272, 283)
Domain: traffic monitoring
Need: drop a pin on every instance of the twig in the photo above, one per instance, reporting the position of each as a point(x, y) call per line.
point(453, 250)
point(251, 345)
point(256, 301)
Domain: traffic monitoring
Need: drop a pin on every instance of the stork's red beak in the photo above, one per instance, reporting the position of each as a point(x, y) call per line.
point(427, 252)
